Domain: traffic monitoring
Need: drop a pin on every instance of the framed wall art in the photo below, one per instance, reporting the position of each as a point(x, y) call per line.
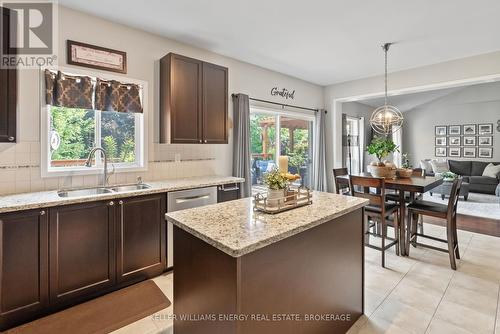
point(469, 129)
point(485, 152)
point(454, 141)
point(485, 129)
point(485, 140)
point(93, 56)
point(441, 141)
point(440, 130)
point(454, 130)
point(440, 151)
point(454, 152)
point(469, 141)
point(469, 152)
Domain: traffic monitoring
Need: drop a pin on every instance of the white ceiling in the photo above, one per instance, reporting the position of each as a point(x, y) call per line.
point(321, 41)
point(407, 102)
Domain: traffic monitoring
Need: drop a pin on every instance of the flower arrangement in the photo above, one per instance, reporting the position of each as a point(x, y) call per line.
point(275, 180)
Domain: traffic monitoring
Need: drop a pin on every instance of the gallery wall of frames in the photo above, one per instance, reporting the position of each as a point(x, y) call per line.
point(464, 141)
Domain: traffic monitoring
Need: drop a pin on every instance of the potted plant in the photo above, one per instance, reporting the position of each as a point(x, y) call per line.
point(276, 184)
point(406, 169)
point(449, 176)
point(381, 147)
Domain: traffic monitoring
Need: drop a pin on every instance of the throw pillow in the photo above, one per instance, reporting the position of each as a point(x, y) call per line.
point(491, 171)
point(439, 166)
point(426, 164)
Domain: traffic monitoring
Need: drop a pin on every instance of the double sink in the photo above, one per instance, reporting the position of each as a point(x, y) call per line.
point(102, 190)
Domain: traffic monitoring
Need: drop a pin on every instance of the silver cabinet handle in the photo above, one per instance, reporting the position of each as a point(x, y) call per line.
point(200, 140)
point(191, 198)
point(11, 138)
point(223, 188)
point(120, 202)
point(42, 213)
point(111, 203)
point(205, 141)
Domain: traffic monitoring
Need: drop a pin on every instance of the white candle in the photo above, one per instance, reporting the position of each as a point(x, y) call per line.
point(283, 163)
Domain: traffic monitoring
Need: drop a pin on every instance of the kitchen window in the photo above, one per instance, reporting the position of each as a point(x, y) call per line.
point(74, 124)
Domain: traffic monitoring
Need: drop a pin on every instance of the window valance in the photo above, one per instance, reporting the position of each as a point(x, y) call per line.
point(116, 96)
point(72, 91)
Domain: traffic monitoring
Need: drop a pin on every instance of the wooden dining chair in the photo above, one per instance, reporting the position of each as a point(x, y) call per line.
point(417, 172)
point(446, 212)
point(377, 212)
point(340, 187)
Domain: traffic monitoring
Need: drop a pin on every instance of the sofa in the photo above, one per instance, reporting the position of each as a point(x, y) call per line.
point(472, 173)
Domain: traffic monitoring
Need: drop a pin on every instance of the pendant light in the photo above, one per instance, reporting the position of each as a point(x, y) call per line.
point(386, 119)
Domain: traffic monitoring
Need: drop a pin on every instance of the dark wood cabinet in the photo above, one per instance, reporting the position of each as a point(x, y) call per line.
point(55, 258)
point(228, 192)
point(193, 101)
point(141, 238)
point(8, 87)
point(215, 101)
point(81, 250)
point(24, 290)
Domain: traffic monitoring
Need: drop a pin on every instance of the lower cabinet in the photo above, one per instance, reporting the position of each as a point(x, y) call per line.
point(81, 250)
point(24, 290)
point(56, 258)
point(141, 238)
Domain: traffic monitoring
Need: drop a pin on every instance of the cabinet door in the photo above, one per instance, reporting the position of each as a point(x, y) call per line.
point(8, 89)
point(81, 250)
point(215, 99)
point(24, 290)
point(185, 99)
point(141, 244)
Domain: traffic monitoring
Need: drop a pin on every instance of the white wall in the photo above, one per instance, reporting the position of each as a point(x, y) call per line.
point(414, 79)
point(19, 163)
point(471, 105)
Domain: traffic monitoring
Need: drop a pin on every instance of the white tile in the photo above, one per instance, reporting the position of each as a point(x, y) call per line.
point(23, 158)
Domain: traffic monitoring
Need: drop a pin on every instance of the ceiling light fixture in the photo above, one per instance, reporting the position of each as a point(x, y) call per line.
point(386, 119)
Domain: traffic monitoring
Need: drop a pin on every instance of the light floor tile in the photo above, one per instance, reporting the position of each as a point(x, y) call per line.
point(402, 315)
point(439, 326)
point(466, 318)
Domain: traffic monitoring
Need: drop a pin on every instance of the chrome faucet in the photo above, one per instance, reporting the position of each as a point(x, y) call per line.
point(88, 163)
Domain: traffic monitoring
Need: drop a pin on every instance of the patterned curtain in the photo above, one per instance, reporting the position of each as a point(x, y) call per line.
point(50, 87)
point(63, 90)
point(116, 96)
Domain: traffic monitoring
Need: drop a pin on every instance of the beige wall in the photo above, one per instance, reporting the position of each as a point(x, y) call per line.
point(19, 163)
point(456, 70)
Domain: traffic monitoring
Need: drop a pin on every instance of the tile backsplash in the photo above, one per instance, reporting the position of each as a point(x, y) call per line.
point(20, 167)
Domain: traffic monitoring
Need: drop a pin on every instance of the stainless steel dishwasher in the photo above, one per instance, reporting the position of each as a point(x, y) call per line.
point(186, 199)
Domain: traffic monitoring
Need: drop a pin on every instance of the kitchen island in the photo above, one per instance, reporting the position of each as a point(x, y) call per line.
point(241, 271)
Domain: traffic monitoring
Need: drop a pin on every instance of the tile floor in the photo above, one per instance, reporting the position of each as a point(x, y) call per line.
point(416, 294)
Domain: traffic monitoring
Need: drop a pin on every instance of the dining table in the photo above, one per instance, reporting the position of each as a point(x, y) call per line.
point(404, 186)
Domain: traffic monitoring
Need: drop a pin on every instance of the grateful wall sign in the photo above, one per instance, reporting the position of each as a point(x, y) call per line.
point(283, 92)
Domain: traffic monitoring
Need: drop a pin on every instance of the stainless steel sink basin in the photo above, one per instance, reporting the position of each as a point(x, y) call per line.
point(131, 187)
point(83, 192)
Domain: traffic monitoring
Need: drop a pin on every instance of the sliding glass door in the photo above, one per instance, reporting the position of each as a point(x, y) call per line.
point(276, 133)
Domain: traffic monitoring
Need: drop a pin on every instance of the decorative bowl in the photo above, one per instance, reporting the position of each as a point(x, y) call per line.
point(404, 172)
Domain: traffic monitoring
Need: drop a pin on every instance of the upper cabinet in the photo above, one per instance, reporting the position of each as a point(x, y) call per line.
point(8, 88)
point(193, 101)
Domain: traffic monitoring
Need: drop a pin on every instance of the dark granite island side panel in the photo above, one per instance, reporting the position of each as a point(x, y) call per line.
point(318, 272)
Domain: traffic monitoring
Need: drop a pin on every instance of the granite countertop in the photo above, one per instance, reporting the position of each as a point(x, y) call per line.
point(47, 199)
point(236, 229)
